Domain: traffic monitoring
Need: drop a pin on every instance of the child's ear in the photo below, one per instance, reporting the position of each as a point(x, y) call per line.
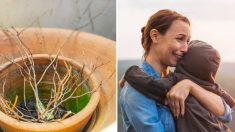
point(154, 34)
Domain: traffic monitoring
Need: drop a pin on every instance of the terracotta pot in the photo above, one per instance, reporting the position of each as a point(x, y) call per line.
point(82, 48)
point(76, 122)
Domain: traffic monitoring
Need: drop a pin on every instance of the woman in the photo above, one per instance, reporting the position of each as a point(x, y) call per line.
point(165, 40)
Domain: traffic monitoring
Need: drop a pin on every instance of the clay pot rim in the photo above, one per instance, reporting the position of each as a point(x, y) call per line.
point(68, 122)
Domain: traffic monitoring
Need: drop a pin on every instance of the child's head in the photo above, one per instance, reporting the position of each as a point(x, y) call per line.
point(201, 61)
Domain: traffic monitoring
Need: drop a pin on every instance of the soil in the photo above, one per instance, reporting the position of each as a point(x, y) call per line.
point(30, 109)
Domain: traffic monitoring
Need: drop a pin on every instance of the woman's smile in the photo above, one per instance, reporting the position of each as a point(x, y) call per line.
point(178, 56)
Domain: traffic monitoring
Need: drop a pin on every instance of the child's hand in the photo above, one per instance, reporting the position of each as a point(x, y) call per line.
point(122, 82)
point(233, 108)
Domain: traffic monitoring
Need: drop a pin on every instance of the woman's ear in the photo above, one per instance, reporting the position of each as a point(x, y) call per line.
point(154, 34)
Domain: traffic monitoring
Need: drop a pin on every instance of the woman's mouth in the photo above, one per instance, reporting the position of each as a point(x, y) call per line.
point(178, 56)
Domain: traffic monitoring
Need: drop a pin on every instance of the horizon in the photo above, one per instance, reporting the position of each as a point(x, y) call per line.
point(212, 24)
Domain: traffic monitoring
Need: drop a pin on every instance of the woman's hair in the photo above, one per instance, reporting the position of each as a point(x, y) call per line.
point(161, 21)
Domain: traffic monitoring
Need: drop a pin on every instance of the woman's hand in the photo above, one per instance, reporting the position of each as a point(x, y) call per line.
point(179, 92)
point(177, 95)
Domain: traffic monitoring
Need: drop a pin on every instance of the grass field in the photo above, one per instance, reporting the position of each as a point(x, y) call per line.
point(225, 77)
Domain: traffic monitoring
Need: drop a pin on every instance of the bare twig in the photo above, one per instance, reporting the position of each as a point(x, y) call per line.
point(64, 85)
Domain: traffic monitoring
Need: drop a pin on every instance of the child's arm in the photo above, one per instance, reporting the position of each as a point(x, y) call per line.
point(121, 82)
point(153, 88)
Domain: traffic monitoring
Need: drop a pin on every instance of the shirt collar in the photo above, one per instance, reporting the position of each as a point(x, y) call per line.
point(149, 70)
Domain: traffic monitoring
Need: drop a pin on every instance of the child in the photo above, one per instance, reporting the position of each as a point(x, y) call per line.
point(200, 65)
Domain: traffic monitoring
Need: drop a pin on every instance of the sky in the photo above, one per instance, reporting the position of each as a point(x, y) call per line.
point(211, 21)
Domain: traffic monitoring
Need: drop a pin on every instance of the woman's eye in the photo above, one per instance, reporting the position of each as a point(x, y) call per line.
point(183, 40)
point(180, 39)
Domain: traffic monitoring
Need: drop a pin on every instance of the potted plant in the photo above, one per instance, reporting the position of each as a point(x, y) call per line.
point(53, 80)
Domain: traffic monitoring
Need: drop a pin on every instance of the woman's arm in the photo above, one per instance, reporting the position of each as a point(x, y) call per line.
point(179, 92)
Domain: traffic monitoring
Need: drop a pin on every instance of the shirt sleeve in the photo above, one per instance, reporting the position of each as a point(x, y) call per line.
point(140, 110)
point(147, 85)
point(227, 116)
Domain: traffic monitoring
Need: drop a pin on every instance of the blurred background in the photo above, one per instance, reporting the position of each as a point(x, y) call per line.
point(211, 21)
point(94, 16)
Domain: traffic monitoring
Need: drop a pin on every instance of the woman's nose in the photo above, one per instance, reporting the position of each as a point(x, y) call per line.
point(184, 48)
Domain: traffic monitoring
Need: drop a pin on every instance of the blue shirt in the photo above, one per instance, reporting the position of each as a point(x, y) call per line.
point(141, 113)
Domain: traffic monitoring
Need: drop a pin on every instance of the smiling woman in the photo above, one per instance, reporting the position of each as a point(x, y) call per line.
point(171, 45)
point(165, 40)
point(162, 49)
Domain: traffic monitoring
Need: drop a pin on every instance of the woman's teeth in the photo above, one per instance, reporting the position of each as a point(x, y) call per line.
point(178, 56)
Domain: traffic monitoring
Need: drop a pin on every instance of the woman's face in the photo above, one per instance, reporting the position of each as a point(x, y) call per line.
point(171, 46)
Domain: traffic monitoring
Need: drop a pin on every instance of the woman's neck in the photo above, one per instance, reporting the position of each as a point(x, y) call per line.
point(158, 66)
